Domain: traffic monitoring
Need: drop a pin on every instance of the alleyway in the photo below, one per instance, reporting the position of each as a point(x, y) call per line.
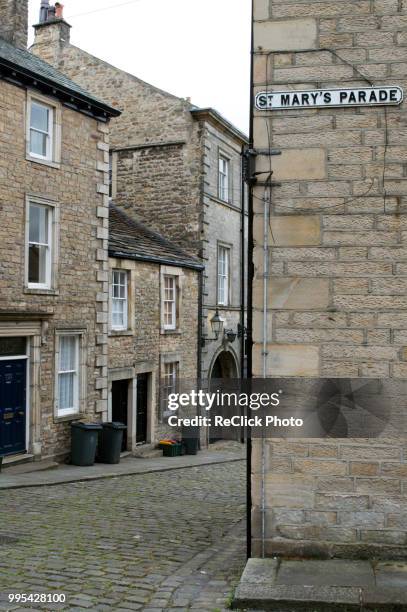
point(160, 541)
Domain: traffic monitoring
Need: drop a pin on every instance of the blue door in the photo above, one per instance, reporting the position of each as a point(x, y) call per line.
point(13, 406)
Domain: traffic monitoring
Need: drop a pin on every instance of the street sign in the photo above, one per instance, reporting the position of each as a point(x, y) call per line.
point(325, 98)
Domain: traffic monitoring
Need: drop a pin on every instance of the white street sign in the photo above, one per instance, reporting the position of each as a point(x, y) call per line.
point(325, 98)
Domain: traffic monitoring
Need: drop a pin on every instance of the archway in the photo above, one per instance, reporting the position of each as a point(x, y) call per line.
point(224, 366)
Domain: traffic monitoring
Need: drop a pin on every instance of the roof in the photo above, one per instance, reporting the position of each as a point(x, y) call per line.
point(21, 66)
point(212, 113)
point(130, 239)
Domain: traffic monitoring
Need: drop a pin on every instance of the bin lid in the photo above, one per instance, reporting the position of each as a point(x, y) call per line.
point(82, 425)
point(114, 425)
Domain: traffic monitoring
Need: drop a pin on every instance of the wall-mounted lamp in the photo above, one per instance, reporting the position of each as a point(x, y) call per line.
point(216, 326)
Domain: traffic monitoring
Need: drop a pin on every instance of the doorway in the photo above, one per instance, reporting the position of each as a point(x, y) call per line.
point(225, 366)
point(120, 406)
point(224, 375)
point(142, 408)
point(13, 406)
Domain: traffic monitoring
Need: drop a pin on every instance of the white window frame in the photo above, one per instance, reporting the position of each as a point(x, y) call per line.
point(224, 178)
point(50, 245)
point(174, 302)
point(125, 299)
point(49, 142)
point(78, 378)
point(53, 154)
point(223, 275)
point(170, 385)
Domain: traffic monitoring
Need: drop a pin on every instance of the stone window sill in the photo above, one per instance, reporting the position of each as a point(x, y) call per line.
point(69, 417)
point(44, 162)
point(33, 291)
point(118, 332)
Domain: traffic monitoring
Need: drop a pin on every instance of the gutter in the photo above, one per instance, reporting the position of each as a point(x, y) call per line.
point(202, 113)
point(159, 260)
point(33, 79)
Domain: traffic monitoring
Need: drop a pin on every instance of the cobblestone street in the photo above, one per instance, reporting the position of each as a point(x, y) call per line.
point(160, 541)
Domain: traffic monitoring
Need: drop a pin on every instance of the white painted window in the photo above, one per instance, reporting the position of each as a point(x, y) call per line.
point(41, 130)
point(224, 175)
point(170, 378)
point(68, 375)
point(119, 300)
point(40, 246)
point(170, 302)
point(223, 275)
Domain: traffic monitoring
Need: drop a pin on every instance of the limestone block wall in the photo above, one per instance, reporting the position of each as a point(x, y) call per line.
point(160, 185)
point(336, 303)
point(79, 298)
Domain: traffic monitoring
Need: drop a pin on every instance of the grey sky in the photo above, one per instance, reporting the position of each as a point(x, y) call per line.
point(191, 48)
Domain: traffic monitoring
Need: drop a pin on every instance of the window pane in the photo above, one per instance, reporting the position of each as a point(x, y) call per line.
point(169, 305)
point(118, 313)
point(66, 391)
point(223, 275)
point(39, 117)
point(38, 224)
point(38, 143)
point(67, 353)
point(37, 264)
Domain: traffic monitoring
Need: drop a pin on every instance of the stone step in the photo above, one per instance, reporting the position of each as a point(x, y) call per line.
point(335, 585)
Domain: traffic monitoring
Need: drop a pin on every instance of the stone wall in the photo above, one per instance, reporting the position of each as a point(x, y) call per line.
point(79, 299)
point(155, 182)
point(336, 281)
point(13, 25)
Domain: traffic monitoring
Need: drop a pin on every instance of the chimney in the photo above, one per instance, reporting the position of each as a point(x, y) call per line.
point(52, 27)
point(14, 22)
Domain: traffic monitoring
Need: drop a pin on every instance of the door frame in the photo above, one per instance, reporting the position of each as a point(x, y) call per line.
point(25, 358)
point(36, 333)
point(131, 374)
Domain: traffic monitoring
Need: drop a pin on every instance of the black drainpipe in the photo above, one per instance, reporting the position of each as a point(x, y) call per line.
point(243, 266)
point(199, 348)
point(250, 300)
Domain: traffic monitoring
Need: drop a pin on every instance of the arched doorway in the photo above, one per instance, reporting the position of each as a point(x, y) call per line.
point(224, 366)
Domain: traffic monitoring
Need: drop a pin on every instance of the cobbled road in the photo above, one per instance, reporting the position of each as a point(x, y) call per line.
point(161, 541)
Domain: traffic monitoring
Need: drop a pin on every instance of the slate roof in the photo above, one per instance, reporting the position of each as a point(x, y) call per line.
point(18, 64)
point(130, 239)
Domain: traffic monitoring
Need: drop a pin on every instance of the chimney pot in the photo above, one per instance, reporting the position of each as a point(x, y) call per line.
point(59, 10)
point(44, 11)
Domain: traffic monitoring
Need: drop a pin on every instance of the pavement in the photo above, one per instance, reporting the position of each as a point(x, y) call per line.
point(24, 476)
point(322, 586)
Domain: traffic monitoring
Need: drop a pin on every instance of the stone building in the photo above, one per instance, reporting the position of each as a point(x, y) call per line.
point(336, 287)
point(54, 156)
point(178, 169)
point(153, 326)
